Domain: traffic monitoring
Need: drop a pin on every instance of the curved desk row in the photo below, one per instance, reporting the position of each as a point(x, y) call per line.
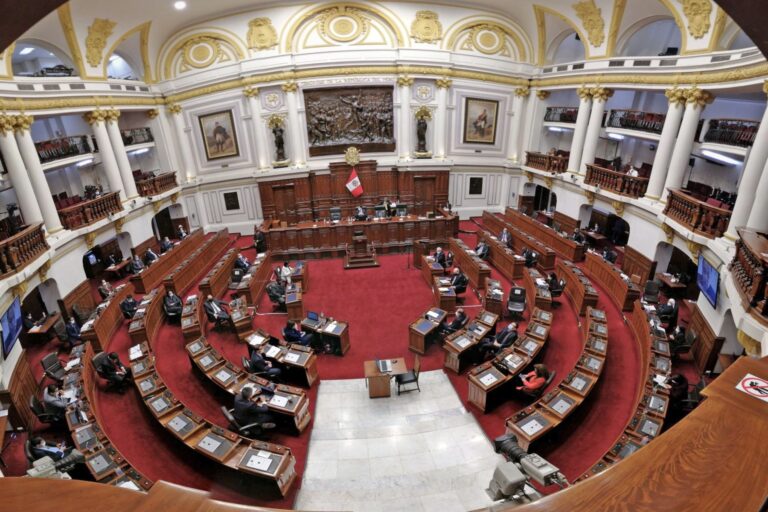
point(255, 280)
point(216, 281)
point(149, 317)
point(297, 360)
point(460, 346)
point(106, 319)
point(190, 270)
point(472, 266)
point(578, 287)
point(502, 257)
point(537, 289)
point(563, 246)
point(620, 289)
point(520, 240)
point(153, 275)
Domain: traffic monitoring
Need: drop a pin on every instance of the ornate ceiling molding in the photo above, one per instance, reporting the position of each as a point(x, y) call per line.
point(591, 17)
point(261, 34)
point(426, 28)
point(96, 40)
point(697, 15)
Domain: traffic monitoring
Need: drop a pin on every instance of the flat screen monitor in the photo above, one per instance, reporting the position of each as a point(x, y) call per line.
point(708, 280)
point(10, 323)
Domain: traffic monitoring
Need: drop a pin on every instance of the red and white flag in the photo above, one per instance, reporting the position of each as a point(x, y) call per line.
point(353, 184)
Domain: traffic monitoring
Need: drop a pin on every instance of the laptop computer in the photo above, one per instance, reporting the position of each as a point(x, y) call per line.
point(384, 365)
point(312, 320)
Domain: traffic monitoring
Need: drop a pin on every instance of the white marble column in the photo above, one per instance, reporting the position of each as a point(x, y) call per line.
point(98, 121)
point(118, 149)
point(259, 127)
point(405, 83)
point(189, 172)
point(599, 96)
point(580, 130)
point(758, 216)
point(696, 100)
point(35, 172)
point(295, 148)
point(750, 179)
point(518, 107)
point(667, 140)
point(441, 117)
point(14, 164)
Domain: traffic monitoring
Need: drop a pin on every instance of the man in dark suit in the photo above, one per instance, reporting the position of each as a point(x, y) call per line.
point(505, 237)
point(150, 256)
point(459, 319)
point(242, 262)
point(481, 250)
point(503, 339)
point(578, 237)
point(530, 258)
point(459, 280)
point(294, 335)
point(360, 213)
point(73, 331)
point(165, 245)
point(214, 308)
point(112, 260)
point(181, 234)
point(30, 322)
point(260, 241)
point(129, 306)
point(105, 289)
point(54, 400)
point(261, 365)
point(40, 448)
point(440, 256)
point(136, 265)
point(115, 371)
point(172, 305)
point(247, 411)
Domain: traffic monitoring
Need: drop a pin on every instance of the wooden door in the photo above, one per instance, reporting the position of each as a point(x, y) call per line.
point(165, 225)
point(285, 203)
point(423, 195)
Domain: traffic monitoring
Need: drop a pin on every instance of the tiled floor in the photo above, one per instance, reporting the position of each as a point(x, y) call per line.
point(415, 452)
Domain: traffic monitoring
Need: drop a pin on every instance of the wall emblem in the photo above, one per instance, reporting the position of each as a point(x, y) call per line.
point(261, 34)
point(426, 28)
point(592, 19)
point(96, 41)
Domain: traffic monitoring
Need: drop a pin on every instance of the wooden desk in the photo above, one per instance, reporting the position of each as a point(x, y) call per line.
point(458, 347)
point(487, 382)
point(521, 240)
point(537, 296)
point(423, 328)
point(242, 317)
point(578, 287)
point(193, 266)
point(674, 288)
point(216, 281)
point(300, 275)
point(563, 246)
point(155, 273)
point(430, 269)
point(597, 240)
point(444, 294)
point(294, 358)
point(472, 266)
point(40, 333)
point(100, 328)
point(116, 271)
point(379, 383)
point(622, 292)
point(149, 317)
point(502, 257)
point(255, 280)
point(294, 302)
point(193, 318)
point(493, 300)
point(334, 333)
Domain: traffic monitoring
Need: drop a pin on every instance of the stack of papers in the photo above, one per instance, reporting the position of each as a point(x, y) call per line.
point(488, 379)
point(278, 401)
point(259, 462)
point(273, 351)
point(134, 353)
point(330, 327)
point(72, 363)
point(256, 340)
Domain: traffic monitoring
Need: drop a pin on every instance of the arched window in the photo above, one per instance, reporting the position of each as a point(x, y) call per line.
point(741, 40)
point(121, 68)
point(660, 37)
point(36, 58)
point(568, 47)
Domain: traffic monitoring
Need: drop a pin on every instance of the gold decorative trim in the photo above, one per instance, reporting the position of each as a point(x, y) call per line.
point(721, 18)
point(157, 206)
point(174, 108)
point(529, 175)
point(446, 83)
point(590, 196)
point(7, 124)
point(584, 93)
point(234, 43)
point(676, 96)
point(144, 48)
point(750, 344)
point(90, 238)
point(426, 28)
point(591, 17)
point(694, 248)
point(423, 112)
point(111, 115)
point(548, 182)
point(404, 81)
point(669, 233)
point(699, 97)
point(96, 40)
point(697, 14)
point(20, 290)
point(522, 92)
point(477, 26)
point(74, 102)
point(95, 116)
point(261, 34)
point(352, 156)
point(275, 121)
point(251, 92)
point(153, 113)
point(42, 272)
point(601, 93)
point(22, 123)
point(542, 95)
point(290, 86)
point(174, 197)
point(65, 20)
point(540, 11)
point(613, 31)
point(618, 206)
point(118, 223)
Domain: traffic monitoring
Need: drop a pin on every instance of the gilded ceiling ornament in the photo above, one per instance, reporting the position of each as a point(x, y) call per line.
point(174, 108)
point(251, 92)
point(22, 122)
point(261, 34)
point(548, 182)
point(153, 113)
point(118, 223)
point(90, 238)
point(201, 52)
point(42, 272)
point(592, 19)
point(694, 248)
point(404, 81)
point(765, 87)
point(352, 156)
point(174, 197)
point(112, 114)
point(343, 24)
point(7, 124)
point(96, 41)
point(529, 175)
point(618, 206)
point(275, 121)
point(157, 206)
point(423, 112)
point(700, 97)
point(95, 116)
point(601, 93)
point(590, 196)
point(522, 92)
point(697, 14)
point(584, 93)
point(542, 95)
point(290, 86)
point(750, 344)
point(19, 290)
point(487, 38)
point(443, 83)
point(676, 96)
point(669, 233)
point(426, 28)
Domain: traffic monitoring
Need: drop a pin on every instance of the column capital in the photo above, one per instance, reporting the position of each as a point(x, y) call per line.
point(174, 108)
point(700, 97)
point(601, 93)
point(765, 87)
point(111, 114)
point(290, 86)
point(444, 83)
point(153, 113)
point(584, 93)
point(423, 112)
point(404, 81)
point(7, 124)
point(22, 122)
point(276, 121)
point(675, 95)
point(251, 92)
point(95, 116)
point(542, 95)
point(522, 92)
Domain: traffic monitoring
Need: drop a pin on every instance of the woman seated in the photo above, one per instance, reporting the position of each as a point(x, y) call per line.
point(533, 381)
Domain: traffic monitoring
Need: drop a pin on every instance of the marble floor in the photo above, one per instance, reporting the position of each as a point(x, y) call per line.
point(413, 452)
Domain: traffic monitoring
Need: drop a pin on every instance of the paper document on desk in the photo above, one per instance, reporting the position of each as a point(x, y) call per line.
point(432, 314)
point(134, 353)
point(292, 357)
point(263, 453)
point(3, 413)
point(272, 351)
point(259, 463)
point(532, 427)
point(278, 401)
point(488, 379)
point(443, 289)
point(331, 327)
point(129, 484)
point(209, 444)
point(256, 340)
point(659, 379)
point(72, 363)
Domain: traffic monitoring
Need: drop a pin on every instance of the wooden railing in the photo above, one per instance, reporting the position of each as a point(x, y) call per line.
point(698, 216)
point(561, 114)
point(88, 212)
point(19, 250)
point(547, 163)
point(749, 269)
point(618, 182)
point(637, 120)
point(64, 147)
point(734, 132)
point(156, 184)
point(136, 136)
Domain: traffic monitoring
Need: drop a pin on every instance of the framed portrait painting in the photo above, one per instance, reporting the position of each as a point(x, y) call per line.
point(480, 118)
point(219, 137)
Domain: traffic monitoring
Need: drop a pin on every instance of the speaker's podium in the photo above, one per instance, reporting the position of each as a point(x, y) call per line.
point(360, 254)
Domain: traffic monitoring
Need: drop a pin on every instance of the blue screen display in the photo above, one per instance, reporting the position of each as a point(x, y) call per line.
point(708, 280)
point(11, 325)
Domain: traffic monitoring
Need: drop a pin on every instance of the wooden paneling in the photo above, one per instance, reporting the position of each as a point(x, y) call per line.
point(81, 296)
point(21, 386)
point(635, 263)
point(567, 224)
point(707, 345)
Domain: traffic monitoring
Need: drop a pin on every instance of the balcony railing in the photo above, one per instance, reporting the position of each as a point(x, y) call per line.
point(549, 163)
point(22, 248)
point(637, 120)
point(618, 182)
point(698, 216)
point(561, 114)
point(65, 147)
point(137, 136)
point(749, 269)
point(733, 132)
point(88, 212)
point(156, 184)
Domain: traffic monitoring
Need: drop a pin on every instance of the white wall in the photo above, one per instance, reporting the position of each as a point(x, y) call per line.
point(652, 39)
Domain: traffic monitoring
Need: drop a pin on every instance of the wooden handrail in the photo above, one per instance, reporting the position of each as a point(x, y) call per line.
point(88, 212)
point(749, 270)
point(561, 114)
point(636, 120)
point(18, 251)
point(733, 132)
point(156, 184)
point(698, 216)
point(618, 182)
point(549, 163)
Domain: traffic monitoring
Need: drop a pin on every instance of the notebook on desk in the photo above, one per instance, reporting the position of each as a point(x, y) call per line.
point(384, 365)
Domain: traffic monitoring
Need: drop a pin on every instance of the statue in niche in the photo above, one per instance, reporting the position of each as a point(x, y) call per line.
point(422, 115)
point(276, 122)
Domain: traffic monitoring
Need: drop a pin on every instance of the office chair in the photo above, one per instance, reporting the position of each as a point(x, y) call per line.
point(517, 302)
point(448, 260)
point(81, 314)
point(557, 292)
point(335, 213)
point(237, 275)
point(52, 367)
point(61, 332)
point(669, 318)
point(97, 361)
point(460, 289)
point(218, 322)
point(28, 453)
point(412, 377)
point(276, 295)
point(251, 430)
point(531, 259)
point(44, 416)
point(651, 292)
point(249, 368)
point(685, 347)
point(536, 393)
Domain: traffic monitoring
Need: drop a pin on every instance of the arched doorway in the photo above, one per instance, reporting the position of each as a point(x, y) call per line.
point(544, 199)
point(618, 230)
point(97, 259)
point(673, 262)
point(166, 221)
point(42, 301)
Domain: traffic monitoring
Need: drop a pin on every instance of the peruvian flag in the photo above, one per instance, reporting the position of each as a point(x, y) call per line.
point(353, 184)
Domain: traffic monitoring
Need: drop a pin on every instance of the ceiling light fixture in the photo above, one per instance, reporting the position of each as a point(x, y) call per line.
point(720, 157)
point(113, 58)
point(138, 151)
point(27, 50)
point(84, 162)
point(181, 4)
point(616, 136)
point(555, 129)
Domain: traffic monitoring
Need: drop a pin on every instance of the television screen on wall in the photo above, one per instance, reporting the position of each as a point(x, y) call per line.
point(10, 323)
point(708, 280)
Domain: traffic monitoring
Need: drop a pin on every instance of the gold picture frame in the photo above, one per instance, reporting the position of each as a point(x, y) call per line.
point(480, 120)
point(219, 135)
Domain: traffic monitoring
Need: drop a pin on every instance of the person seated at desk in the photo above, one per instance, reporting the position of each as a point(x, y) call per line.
point(181, 233)
point(165, 245)
point(459, 319)
point(54, 400)
point(677, 338)
point(31, 323)
point(242, 262)
point(129, 306)
point(504, 237)
point(553, 282)
point(578, 236)
point(440, 257)
point(136, 265)
point(284, 273)
point(214, 309)
point(248, 410)
point(172, 305)
point(534, 380)
point(112, 260)
point(115, 371)
point(262, 366)
point(459, 280)
point(73, 332)
point(105, 289)
point(668, 312)
point(482, 250)
point(150, 256)
point(530, 258)
point(503, 339)
point(41, 448)
point(292, 334)
point(260, 241)
point(360, 213)
point(610, 256)
point(617, 232)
